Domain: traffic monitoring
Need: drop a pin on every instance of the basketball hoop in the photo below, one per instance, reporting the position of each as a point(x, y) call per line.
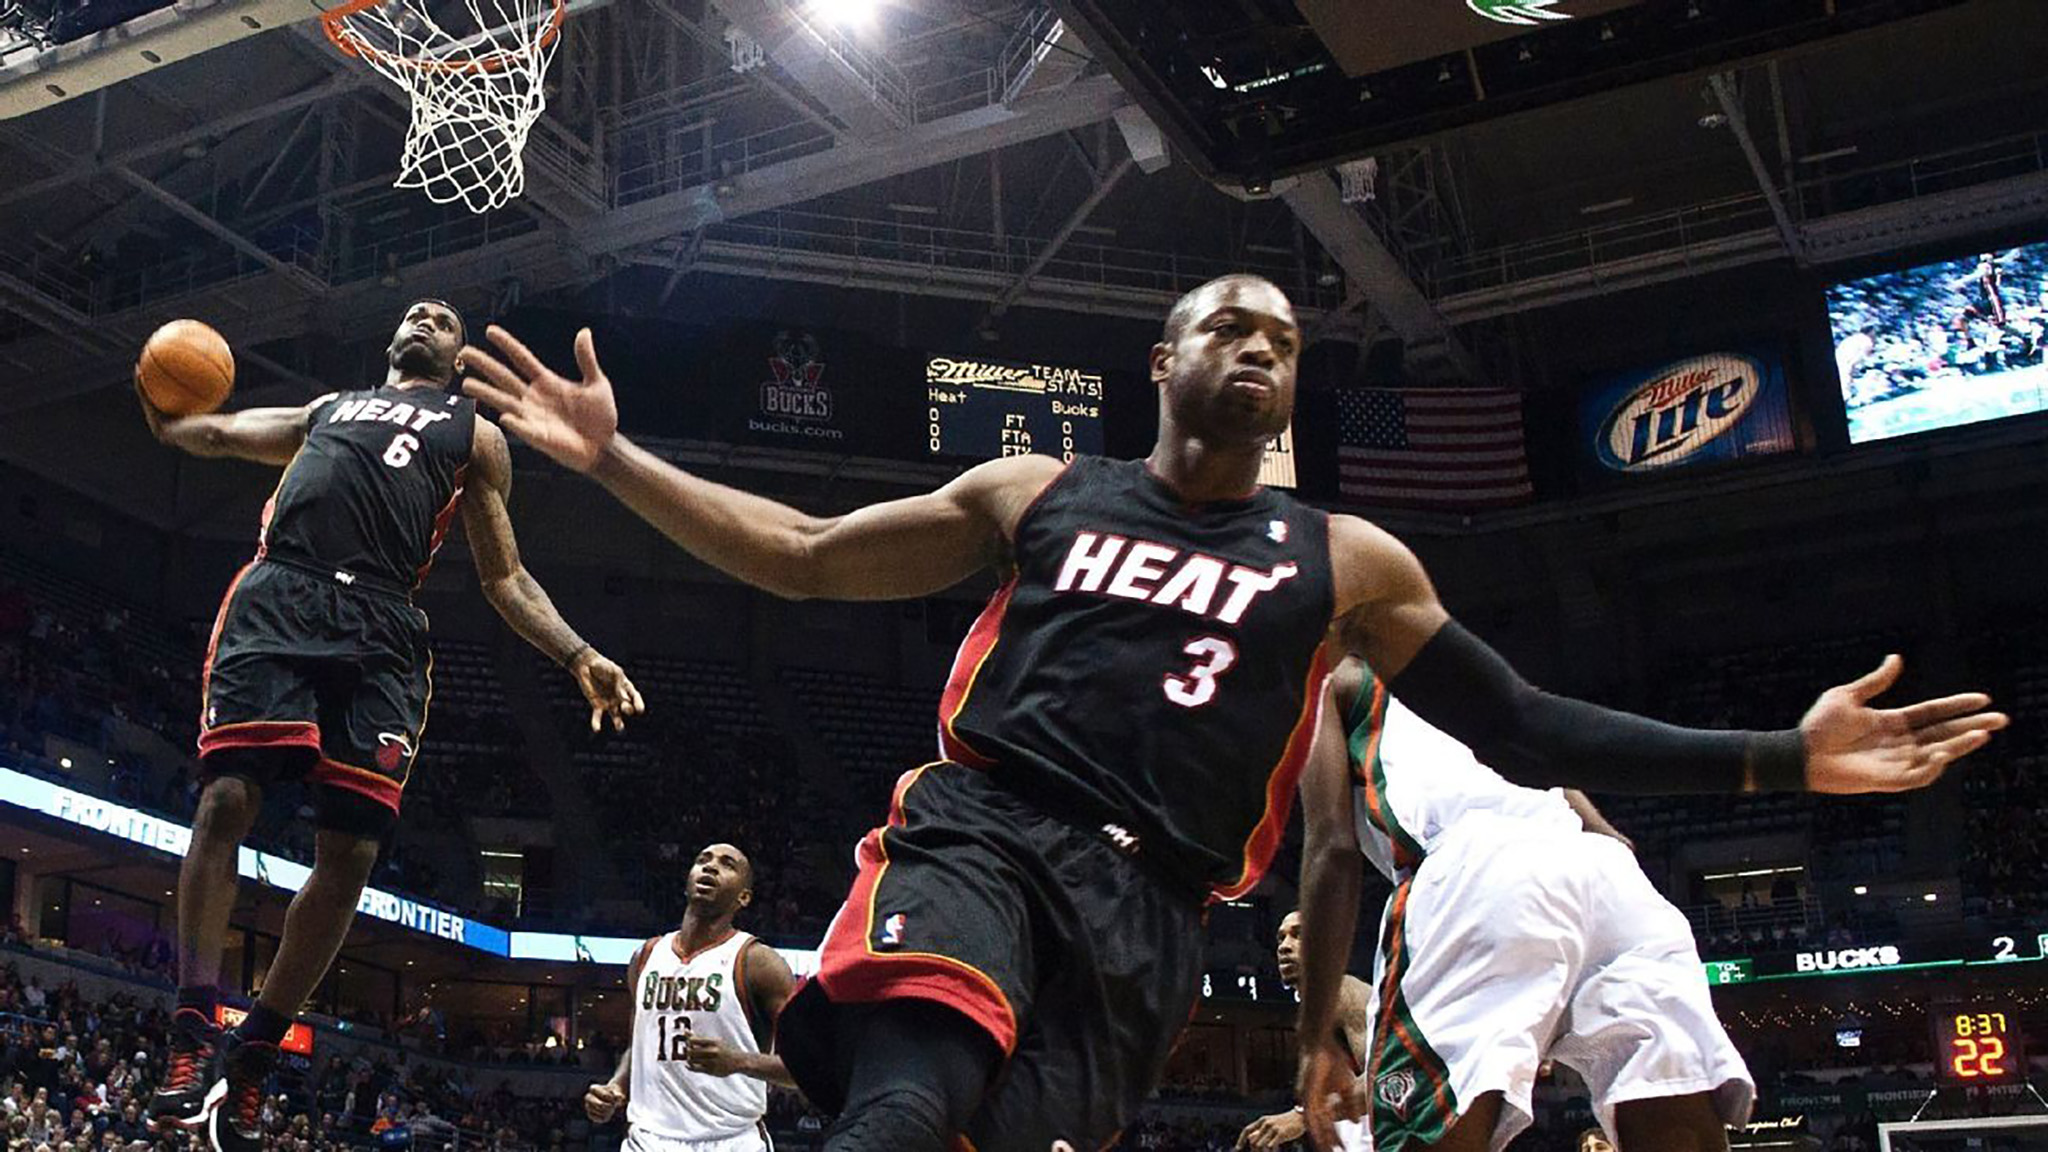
point(1358, 180)
point(475, 95)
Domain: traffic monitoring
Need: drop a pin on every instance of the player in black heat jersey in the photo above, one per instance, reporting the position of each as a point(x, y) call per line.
point(318, 669)
point(1123, 731)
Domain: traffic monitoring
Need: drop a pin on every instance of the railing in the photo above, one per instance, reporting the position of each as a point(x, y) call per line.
point(882, 81)
point(968, 250)
point(1812, 199)
point(1026, 50)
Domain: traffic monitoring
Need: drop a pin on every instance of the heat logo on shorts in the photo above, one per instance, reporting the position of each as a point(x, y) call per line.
point(892, 929)
point(393, 749)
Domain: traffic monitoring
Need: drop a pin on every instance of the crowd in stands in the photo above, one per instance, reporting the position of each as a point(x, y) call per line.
point(76, 1073)
point(2005, 862)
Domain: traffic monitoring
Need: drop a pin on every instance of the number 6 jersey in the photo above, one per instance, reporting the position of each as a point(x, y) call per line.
point(1152, 668)
point(372, 490)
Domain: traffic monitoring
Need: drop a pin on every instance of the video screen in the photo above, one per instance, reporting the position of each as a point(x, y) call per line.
point(1944, 344)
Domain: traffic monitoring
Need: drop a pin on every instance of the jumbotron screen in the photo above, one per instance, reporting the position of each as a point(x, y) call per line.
point(981, 409)
point(1943, 344)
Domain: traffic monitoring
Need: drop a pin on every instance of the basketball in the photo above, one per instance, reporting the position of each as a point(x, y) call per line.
point(186, 369)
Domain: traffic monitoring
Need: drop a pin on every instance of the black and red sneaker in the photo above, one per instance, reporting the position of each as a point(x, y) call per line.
point(180, 1101)
point(234, 1118)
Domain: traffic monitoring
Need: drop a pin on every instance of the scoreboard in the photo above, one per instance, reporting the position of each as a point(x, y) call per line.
point(1978, 1043)
point(982, 409)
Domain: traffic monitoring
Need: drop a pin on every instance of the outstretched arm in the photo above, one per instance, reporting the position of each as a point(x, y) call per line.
point(1330, 864)
point(896, 550)
point(265, 435)
point(768, 983)
point(1389, 614)
point(518, 597)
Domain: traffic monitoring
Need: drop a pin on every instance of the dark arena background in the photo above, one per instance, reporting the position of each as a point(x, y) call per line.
point(1695, 345)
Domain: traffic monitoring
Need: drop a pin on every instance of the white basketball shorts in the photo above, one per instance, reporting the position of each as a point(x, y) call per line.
point(751, 1140)
point(1515, 943)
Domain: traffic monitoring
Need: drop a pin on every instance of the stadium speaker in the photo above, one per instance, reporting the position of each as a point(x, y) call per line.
point(1146, 142)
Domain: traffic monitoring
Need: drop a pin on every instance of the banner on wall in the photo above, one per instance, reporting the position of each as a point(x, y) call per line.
point(1710, 408)
point(748, 383)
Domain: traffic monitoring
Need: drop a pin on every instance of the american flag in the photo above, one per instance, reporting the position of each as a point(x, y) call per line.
point(1455, 449)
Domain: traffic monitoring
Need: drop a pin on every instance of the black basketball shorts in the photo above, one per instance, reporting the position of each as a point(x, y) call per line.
point(1080, 964)
point(341, 674)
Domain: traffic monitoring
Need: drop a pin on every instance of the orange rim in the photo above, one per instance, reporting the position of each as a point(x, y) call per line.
point(350, 43)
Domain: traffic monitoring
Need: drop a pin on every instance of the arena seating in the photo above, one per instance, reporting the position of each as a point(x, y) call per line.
point(1843, 840)
point(704, 764)
point(74, 1069)
point(876, 730)
point(2005, 867)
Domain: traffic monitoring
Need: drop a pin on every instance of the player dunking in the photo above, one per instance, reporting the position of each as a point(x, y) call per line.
point(1124, 728)
point(1521, 931)
point(319, 669)
point(696, 1076)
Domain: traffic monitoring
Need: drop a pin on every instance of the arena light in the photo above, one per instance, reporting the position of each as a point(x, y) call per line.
point(847, 13)
point(1862, 890)
point(1930, 897)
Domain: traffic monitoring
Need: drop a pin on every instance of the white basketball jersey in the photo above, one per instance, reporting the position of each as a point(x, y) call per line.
point(703, 995)
point(1413, 782)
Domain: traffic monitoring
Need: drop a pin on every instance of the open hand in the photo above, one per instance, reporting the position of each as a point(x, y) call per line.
point(602, 1101)
point(607, 690)
point(572, 422)
point(1853, 747)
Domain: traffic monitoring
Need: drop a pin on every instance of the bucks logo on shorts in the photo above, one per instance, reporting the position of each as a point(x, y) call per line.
point(1526, 12)
point(1395, 1091)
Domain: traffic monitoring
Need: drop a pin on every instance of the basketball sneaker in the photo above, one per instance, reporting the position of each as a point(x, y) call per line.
point(234, 1108)
point(180, 1101)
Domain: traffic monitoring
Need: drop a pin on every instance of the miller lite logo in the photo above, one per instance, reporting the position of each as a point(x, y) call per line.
point(1395, 1089)
point(796, 392)
point(1678, 412)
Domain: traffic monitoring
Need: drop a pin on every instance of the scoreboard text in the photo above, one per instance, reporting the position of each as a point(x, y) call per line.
point(1977, 1043)
point(984, 409)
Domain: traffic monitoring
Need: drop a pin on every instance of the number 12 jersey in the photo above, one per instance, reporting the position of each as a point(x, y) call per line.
point(1152, 668)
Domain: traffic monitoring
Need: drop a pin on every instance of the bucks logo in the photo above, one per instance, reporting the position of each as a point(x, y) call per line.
point(1526, 12)
point(1394, 1090)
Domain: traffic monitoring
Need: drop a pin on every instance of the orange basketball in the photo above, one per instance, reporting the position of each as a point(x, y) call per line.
point(186, 369)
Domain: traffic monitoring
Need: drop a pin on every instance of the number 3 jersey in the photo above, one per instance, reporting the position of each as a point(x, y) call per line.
point(1152, 668)
point(371, 492)
point(703, 995)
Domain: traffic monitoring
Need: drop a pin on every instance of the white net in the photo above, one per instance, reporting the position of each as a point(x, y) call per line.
point(477, 78)
point(1358, 180)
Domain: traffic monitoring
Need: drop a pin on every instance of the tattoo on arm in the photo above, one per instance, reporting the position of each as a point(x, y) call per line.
point(506, 583)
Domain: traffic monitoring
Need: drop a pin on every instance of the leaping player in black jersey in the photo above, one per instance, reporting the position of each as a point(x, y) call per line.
point(318, 669)
point(1124, 728)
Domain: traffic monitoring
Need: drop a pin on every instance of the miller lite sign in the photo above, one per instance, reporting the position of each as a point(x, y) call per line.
point(1720, 406)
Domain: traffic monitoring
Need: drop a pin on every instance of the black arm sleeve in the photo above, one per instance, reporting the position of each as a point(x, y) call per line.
point(1543, 741)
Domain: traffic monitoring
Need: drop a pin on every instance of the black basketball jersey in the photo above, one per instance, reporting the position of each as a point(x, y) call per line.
point(1153, 665)
point(372, 490)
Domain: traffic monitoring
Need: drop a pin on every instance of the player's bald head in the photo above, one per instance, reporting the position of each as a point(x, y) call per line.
point(1197, 301)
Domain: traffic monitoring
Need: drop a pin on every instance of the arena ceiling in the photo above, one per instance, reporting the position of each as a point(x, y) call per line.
point(980, 163)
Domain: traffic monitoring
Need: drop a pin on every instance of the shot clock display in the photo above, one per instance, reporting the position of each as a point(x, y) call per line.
point(983, 409)
point(1977, 1043)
